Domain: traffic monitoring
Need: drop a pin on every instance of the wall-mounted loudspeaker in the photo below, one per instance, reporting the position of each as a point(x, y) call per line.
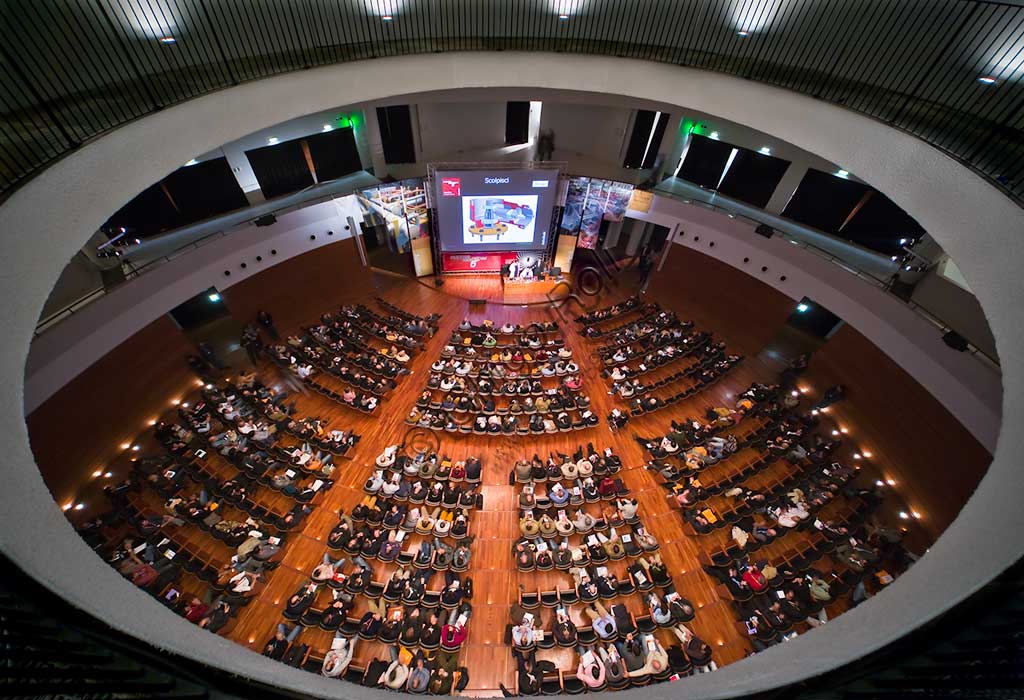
point(266, 220)
point(955, 341)
point(764, 230)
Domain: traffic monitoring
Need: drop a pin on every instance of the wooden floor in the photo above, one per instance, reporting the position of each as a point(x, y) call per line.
point(495, 527)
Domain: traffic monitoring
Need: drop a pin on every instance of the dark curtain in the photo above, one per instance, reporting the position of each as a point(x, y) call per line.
point(396, 134)
point(334, 153)
point(281, 168)
point(880, 224)
point(705, 160)
point(823, 201)
point(205, 190)
point(753, 177)
point(150, 212)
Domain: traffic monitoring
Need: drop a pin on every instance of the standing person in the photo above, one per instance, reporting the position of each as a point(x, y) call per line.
point(267, 321)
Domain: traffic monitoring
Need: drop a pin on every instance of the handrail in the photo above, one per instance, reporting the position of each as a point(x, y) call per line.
point(883, 284)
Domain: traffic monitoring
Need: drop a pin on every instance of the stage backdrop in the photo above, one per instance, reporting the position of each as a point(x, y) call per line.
point(476, 262)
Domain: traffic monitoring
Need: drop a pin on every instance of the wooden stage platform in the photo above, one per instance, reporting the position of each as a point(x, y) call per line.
point(492, 289)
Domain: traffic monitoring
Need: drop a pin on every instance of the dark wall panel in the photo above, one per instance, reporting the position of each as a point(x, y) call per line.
point(281, 168)
point(638, 139)
point(334, 153)
point(205, 189)
point(517, 123)
point(396, 134)
point(880, 224)
point(705, 160)
point(824, 200)
point(753, 177)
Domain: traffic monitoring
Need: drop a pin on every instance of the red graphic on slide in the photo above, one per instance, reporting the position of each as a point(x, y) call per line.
point(451, 187)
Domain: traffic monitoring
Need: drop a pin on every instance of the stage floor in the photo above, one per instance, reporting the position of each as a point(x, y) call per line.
point(490, 288)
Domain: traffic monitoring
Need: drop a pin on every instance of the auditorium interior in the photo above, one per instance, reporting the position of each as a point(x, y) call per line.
point(520, 347)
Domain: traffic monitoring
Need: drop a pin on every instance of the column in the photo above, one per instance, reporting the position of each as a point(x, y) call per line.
point(234, 152)
point(786, 187)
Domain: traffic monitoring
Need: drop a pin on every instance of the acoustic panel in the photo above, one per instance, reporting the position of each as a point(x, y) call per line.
point(752, 177)
point(205, 190)
point(281, 168)
point(705, 160)
point(824, 201)
point(334, 153)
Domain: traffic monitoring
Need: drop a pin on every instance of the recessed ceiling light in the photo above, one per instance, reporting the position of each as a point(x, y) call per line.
point(563, 16)
point(328, 127)
point(108, 475)
point(79, 506)
point(713, 135)
point(903, 515)
point(272, 140)
point(765, 150)
point(891, 482)
point(135, 448)
point(387, 18)
point(66, 506)
point(843, 173)
point(98, 473)
point(125, 445)
point(987, 80)
point(879, 483)
point(167, 40)
point(803, 308)
point(742, 33)
point(915, 514)
point(193, 161)
point(214, 297)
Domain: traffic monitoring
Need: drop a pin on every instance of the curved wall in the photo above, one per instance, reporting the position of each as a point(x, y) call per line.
point(979, 227)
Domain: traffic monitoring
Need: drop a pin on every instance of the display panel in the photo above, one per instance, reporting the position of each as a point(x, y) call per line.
point(494, 210)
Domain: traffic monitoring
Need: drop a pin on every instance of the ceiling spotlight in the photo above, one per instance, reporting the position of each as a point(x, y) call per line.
point(856, 455)
point(803, 308)
point(879, 483)
point(563, 16)
point(891, 482)
point(814, 411)
point(125, 445)
point(185, 405)
point(835, 432)
point(893, 258)
point(844, 431)
point(191, 162)
point(867, 454)
point(98, 473)
point(987, 80)
point(66, 506)
point(79, 506)
point(795, 392)
point(915, 514)
point(107, 475)
point(152, 421)
point(742, 33)
point(171, 40)
point(328, 127)
point(272, 140)
point(903, 241)
point(903, 515)
point(713, 135)
point(214, 297)
point(824, 409)
point(842, 173)
point(175, 402)
point(804, 390)
point(387, 18)
point(765, 150)
point(135, 448)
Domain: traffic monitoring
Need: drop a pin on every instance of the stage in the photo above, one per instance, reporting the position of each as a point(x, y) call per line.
point(491, 288)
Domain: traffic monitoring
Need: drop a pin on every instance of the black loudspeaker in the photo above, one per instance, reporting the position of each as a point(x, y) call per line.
point(764, 230)
point(477, 302)
point(955, 341)
point(266, 220)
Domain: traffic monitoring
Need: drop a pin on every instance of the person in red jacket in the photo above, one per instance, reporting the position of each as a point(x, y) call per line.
point(755, 580)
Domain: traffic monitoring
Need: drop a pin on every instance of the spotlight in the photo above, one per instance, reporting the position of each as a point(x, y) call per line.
point(742, 33)
point(66, 506)
point(765, 150)
point(135, 448)
point(209, 386)
point(842, 173)
point(214, 297)
point(835, 432)
point(172, 40)
point(563, 16)
point(125, 445)
point(903, 515)
point(713, 135)
point(175, 402)
point(804, 390)
point(79, 506)
point(193, 161)
point(879, 483)
point(844, 431)
point(97, 474)
point(814, 411)
point(891, 482)
point(185, 405)
point(987, 80)
point(272, 140)
point(387, 18)
point(328, 127)
point(803, 308)
point(108, 475)
point(152, 421)
point(915, 514)
point(867, 454)
point(199, 382)
point(856, 455)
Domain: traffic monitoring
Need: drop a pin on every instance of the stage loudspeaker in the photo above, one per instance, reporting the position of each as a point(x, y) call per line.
point(955, 341)
point(477, 302)
point(266, 220)
point(764, 230)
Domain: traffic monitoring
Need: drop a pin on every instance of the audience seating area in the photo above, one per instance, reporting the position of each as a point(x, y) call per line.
point(287, 507)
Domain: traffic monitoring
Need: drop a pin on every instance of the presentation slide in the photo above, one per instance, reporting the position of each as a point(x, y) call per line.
point(495, 210)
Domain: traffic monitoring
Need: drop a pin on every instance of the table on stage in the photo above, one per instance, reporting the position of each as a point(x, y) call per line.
point(531, 291)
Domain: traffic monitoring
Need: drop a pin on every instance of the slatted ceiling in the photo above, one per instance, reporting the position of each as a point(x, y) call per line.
point(74, 70)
